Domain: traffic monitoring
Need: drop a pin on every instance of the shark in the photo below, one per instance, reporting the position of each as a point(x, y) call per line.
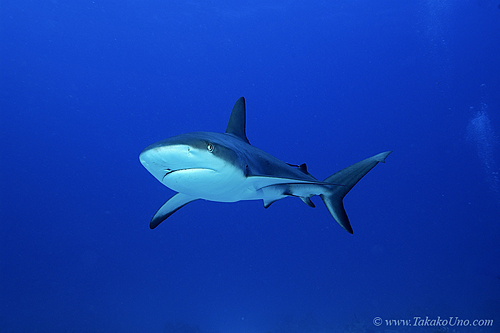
point(225, 167)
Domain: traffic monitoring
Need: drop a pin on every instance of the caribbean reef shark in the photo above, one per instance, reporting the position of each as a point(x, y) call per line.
point(224, 167)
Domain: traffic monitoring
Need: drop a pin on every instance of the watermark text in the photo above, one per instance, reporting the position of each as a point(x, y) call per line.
point(419, 321)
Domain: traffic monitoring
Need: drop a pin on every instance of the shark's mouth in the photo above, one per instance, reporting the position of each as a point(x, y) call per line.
point(170, 171)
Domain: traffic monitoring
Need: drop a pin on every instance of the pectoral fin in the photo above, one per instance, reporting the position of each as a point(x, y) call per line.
point(172, 205)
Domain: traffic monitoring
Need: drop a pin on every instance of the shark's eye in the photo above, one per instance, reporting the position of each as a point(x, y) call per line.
point(210, 147)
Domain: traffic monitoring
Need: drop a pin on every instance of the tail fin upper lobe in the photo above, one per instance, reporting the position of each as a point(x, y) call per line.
point(347, 177)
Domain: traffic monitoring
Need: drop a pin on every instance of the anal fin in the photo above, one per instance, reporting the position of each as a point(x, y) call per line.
point(308, 201)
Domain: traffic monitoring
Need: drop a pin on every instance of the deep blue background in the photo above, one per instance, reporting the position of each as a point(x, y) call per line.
point(86, 85)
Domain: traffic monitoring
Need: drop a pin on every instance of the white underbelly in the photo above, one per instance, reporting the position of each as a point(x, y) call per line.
point(210, 185)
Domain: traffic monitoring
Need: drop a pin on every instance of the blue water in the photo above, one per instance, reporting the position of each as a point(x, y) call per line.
point(85, 86)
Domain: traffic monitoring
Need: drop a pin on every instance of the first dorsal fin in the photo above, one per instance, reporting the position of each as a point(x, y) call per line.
point(237, 121)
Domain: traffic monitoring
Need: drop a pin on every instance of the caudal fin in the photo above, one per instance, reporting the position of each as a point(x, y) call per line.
point(347, 177)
